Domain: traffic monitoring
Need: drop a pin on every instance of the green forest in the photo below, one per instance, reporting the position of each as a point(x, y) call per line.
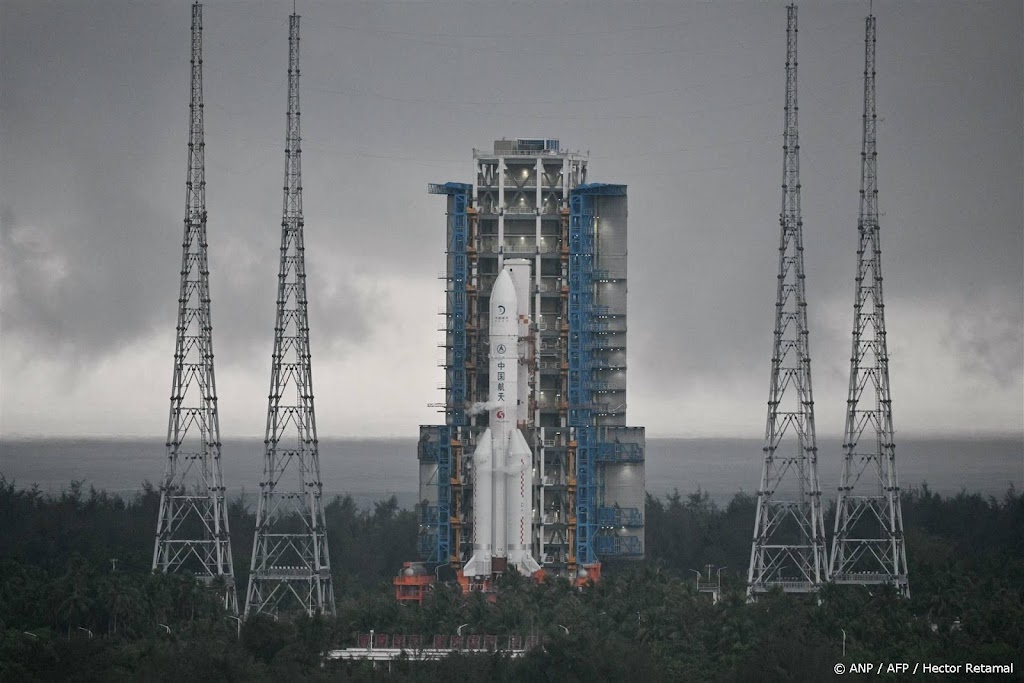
point(78, 602)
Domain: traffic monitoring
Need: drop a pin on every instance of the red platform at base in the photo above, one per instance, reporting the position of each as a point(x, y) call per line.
point(412, 583)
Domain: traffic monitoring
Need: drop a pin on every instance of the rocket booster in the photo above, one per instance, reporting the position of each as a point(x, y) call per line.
point(503, 461)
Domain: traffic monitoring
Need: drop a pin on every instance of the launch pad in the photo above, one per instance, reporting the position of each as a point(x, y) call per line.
point(416, 580)
point(533, 465)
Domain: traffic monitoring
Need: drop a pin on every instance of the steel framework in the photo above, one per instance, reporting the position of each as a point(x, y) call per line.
point(290, 563)
point(192, 532)
point(589, 467)
point(455, 372)
point(788, 549)
point(581, 313)
point(530, 203)
point(868, 546)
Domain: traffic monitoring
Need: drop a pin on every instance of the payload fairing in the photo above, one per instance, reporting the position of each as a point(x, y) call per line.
point(503, 461)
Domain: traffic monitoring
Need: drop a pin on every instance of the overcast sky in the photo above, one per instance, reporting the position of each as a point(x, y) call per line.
point(681, 101)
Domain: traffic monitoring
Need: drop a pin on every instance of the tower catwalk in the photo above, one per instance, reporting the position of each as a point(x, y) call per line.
point(192, 527)
point(788, 549)
point(868, 546)
point(291, 567)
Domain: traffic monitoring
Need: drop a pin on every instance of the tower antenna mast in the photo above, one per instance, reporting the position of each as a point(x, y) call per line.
point(290, 566)
point(788, 548)
point(192, 527)
point(868, 546)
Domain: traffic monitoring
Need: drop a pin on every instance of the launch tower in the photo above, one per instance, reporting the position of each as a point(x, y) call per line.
point(192, 527)
point(530, 206)
point(788, 549)
point(868, 546)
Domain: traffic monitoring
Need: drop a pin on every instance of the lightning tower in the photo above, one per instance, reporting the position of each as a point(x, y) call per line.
point(868, 546)
point(290, 564)
point(788, 549)
point(192, 528)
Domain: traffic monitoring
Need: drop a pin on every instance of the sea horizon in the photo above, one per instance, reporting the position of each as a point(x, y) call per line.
point(375, 468)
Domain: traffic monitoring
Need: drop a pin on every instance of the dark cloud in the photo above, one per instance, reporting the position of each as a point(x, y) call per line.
point(93, 250)
point(75, 288)
point(680, 101)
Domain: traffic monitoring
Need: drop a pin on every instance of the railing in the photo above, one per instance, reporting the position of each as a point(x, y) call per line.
point(786, 586)
point(511, 183)
point(623, 546)
point(386, 647)
point(608, 409)
point(864, 577)
point(428, 514)
point(547, 405)
point(619, 517)
point(520, 246)
point(524, 153)
point(605, 344)
point(619, 452)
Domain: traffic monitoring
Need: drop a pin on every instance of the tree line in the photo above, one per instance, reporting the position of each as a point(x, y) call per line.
point(69, 611)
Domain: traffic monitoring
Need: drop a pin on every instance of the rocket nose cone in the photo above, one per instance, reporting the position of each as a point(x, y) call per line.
point(503, 295)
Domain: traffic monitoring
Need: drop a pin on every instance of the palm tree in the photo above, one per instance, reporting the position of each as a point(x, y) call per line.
point(122, 601)
point(74, 607)
point(74, 586)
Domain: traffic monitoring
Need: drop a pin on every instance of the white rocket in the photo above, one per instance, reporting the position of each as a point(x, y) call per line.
point(503, 462)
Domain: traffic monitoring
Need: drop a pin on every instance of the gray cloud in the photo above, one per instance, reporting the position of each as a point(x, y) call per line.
point(680, 101)
point(985, 333)
point(70, 289)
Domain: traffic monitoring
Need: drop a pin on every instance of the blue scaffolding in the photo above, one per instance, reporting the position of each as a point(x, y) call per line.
point(582, 313)
point(455, 370)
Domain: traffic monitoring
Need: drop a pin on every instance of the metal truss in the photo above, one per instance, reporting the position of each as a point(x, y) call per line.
point(868, 546)
point(290, 567)
point(192, 534)
point(788, 549)
point(582, 343)
point(581, 303)
point(455, 371)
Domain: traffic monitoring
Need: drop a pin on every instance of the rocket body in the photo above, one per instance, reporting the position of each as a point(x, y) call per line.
point(503, 461)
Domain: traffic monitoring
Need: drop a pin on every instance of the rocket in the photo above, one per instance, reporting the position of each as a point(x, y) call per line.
point(503, 461)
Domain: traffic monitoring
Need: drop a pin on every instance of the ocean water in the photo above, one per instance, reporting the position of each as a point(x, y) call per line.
point(372, 469)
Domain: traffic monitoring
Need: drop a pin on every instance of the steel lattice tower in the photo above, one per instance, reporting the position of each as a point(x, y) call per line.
point(192, 529)
point(290, 564)
point(868, 546)
point(788, 549)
